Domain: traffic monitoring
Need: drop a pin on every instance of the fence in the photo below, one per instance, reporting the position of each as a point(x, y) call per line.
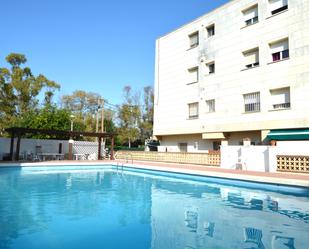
point(87, 150)
point(81, 149)
point(296, 164)
point(211, 158)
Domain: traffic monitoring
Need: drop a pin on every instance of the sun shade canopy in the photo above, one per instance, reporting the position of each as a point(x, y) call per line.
point(213, 135)
point(289, 134)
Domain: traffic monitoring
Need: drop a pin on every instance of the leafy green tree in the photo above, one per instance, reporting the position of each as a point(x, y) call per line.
point(19, 90)
point(85, 107)
point(129, 114)
point(50, 118)
point(146, 124)
point(81, 102)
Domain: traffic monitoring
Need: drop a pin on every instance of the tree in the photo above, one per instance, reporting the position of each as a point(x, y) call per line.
point(146, 125)
point(81, 102)
point(50, 118)
point(85, 107)
point(129, 114)
point(19, 90)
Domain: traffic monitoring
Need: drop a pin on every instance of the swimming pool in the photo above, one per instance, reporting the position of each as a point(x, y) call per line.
point(106, 207)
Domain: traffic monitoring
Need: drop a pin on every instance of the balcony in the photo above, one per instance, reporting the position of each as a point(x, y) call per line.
point(276, 11)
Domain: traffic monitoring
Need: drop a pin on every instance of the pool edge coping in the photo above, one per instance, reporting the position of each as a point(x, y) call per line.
point(167, 168)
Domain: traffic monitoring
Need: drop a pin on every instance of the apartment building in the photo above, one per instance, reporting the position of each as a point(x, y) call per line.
point(238, 72)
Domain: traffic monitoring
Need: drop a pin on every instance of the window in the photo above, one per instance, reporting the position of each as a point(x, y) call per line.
point(277, 6)
point(216, 145)
point(251, 15)
point(211, 67)
point(210, 105)
point(279, 50)
point(183, 147)
point(193, 110)
point(193, 75)
point(280, 98)
point(211, 30)
point(251, 58)
point(252, 102)
point(194, 39)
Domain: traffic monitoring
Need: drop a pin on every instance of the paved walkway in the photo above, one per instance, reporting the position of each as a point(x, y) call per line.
point(294, 179)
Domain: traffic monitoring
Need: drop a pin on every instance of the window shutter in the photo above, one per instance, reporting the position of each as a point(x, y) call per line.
point(251, 57)
point(193, 110)
point(193, 75)
point(276, 4)
point(279, 46)
point(193, 39)
point(250, 13)
point(280, 96)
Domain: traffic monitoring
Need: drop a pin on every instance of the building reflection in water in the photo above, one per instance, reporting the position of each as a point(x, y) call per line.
point(279, 242)
point(254, 236)
point(209, 228)
point(191, 220)
point(214, 216)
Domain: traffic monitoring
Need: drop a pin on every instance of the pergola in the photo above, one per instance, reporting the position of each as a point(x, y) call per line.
point(19, 132)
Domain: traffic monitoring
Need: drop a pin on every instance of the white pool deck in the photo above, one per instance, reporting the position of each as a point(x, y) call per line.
point(290, 179)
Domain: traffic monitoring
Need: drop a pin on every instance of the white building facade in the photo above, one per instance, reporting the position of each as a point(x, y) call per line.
point(235, 73)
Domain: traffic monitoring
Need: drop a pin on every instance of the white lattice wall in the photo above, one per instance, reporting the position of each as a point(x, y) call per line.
point(88, 148)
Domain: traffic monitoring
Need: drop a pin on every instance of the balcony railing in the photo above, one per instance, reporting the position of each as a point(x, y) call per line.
point(252, 21)
point(282, 106)
point(285, 7)
point(255, 64)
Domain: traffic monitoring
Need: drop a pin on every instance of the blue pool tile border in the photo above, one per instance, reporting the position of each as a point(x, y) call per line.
point(250, 184)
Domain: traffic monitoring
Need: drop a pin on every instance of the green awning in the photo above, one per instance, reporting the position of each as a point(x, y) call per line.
point(289, 134)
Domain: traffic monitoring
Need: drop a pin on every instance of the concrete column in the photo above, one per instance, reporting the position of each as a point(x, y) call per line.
point(12, 147)
point(112, 148)
point(224, 143)
point(99, 149)
point(247, 141)
point(71, 141)
point(17, 147)
point(264, 139)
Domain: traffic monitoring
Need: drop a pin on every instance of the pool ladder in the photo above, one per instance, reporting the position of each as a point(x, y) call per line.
point(120, 165)
point(127, 157)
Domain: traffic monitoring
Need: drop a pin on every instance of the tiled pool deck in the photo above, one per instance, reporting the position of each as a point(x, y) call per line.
point(293, 179)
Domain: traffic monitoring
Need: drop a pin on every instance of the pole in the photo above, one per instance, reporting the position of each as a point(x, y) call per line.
point(97, 124)
point(12, 146)
point(102, 116)
point(112, 148)
point(99, 149)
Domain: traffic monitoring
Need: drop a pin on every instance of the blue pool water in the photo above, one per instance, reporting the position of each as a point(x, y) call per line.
point(93, 207)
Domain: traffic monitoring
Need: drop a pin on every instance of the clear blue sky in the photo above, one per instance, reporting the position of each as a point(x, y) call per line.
point(93, 45)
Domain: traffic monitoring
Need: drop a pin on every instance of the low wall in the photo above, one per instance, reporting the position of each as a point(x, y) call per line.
point(254, 158)
point(212, 159)
point(30, 146)
point(286, 156)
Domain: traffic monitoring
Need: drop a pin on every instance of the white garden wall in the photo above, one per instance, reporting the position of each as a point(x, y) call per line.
point(261, 158)
point(29, 146)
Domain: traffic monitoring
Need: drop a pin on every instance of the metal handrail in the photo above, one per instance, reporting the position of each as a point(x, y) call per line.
point(126, 158)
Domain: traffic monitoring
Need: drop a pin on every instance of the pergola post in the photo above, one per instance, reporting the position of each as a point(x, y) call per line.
point(99, 150)
point(19, 132)
point(112, 148)
point(71, 141)
point(17, 147)
point(12, 146)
